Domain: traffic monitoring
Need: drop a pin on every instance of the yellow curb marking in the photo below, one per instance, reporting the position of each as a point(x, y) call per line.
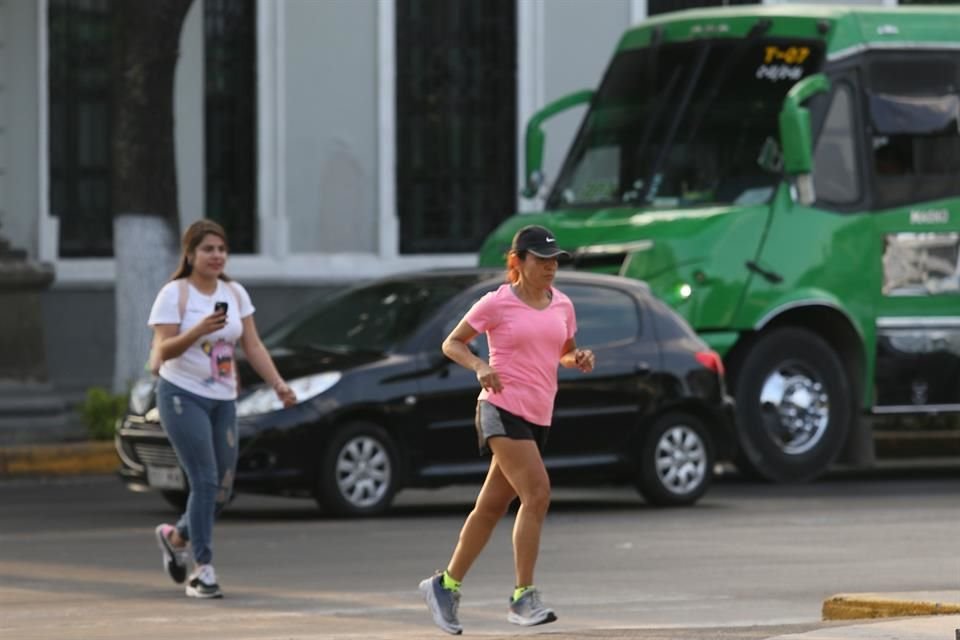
point(847, 607)
point(84, 457)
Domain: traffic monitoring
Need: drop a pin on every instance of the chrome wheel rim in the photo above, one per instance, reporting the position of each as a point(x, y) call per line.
point(363, 471)
point(681, 460)
point(798, 410)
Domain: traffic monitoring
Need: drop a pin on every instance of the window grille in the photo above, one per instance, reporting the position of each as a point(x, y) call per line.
point(456, 77)
point(80, 58)
point(230, 128)
point(655, 7)
point(80, 121)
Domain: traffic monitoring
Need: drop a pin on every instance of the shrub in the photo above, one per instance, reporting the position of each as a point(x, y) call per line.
point(100, 411)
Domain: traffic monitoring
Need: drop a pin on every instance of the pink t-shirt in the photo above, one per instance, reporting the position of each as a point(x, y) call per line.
point(525, 349)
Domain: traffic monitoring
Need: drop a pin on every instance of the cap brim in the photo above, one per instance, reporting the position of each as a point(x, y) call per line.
point(549, 252)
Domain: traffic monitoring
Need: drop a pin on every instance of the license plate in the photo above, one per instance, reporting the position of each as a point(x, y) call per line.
point(165, 477)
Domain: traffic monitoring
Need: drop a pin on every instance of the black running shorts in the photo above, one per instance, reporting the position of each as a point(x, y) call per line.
point(492, 422)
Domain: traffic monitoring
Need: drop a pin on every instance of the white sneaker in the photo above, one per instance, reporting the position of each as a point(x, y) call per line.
point(203, 583)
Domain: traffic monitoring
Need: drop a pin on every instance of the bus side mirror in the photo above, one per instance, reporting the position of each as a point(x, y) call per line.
point(535, 138)
point(796, 136)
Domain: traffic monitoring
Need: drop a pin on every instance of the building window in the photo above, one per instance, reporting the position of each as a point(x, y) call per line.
point(456, 88)
point(230, 109)
point(655, 7)
point(80, 121)
point(80, 58)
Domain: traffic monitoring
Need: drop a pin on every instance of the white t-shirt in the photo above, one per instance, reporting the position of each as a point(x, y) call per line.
point(206, 368)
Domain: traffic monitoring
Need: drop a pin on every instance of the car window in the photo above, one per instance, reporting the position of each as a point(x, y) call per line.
point(604, 315)
point(479, 344)
point(372, 317)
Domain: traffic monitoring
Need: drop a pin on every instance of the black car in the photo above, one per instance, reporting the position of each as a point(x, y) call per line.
point(381, 408)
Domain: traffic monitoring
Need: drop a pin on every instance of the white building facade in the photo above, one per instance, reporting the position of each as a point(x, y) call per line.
point(345, 172)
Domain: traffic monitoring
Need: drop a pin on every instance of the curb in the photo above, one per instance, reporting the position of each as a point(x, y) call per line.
point(94, 457)
point(856, 606)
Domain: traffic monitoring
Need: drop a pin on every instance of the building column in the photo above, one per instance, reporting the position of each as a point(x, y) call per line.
point(29, 409)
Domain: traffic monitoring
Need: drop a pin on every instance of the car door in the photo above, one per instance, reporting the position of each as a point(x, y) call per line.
point(596, 413)
point(446, 404)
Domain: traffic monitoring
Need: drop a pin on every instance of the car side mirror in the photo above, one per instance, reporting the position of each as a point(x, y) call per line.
point(796, 136)
point(536, 138)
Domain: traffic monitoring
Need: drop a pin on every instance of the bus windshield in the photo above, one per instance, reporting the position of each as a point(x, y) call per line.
point(683, 124)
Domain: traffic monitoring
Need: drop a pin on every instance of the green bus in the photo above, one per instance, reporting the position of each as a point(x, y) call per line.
point(787, 178)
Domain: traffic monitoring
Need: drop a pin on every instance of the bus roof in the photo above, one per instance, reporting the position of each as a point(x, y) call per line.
point(845, 29)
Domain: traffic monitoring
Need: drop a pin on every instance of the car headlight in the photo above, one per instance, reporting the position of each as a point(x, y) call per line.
point(265, 400)
point(141, 395)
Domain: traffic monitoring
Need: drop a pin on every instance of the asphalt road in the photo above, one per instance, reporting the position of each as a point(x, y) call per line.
point(77, 560)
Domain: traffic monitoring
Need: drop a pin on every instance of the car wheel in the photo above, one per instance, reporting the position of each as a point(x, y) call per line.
point(676, 463)
point(176, 499)
point(358, 475)
point(794, 406)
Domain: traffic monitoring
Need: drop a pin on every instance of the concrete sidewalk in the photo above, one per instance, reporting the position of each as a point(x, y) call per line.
point(930, 627)
point(917, 615)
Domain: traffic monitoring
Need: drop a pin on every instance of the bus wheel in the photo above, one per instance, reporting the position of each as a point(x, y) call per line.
point(794, 405)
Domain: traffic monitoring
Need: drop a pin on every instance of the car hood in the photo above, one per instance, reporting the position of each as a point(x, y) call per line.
point(299, 362)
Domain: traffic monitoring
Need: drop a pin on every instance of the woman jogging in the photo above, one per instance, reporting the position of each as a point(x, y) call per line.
point(530, 328)
point(197, 319)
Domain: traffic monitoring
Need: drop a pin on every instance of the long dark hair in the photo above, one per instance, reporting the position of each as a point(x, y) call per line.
point(192, 238)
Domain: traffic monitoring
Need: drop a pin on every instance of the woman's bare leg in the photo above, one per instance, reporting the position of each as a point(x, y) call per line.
point(520, 463)
point(492, 503)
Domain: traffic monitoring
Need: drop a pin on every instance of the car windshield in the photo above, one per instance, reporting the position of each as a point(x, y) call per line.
point(373, 317)
point(683, 124)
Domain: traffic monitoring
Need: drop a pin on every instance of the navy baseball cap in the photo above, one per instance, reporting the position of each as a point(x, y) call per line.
point(538, 241)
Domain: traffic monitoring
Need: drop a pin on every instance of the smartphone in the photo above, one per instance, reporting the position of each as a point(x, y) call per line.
point(220, 306)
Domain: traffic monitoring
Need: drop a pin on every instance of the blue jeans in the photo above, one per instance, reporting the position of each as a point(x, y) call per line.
point(203, 432)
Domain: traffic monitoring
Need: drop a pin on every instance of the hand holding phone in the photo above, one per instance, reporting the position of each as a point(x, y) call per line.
point(220, 307)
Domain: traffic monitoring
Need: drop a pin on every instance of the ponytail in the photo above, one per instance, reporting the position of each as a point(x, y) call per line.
point(513, 267)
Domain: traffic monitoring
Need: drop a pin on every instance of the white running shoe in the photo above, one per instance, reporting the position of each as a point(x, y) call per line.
point(203, 583)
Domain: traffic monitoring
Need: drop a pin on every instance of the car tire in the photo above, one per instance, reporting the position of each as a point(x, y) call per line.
point(676, 461)
point(176, 499)
point(794, 406)
point(359, 472)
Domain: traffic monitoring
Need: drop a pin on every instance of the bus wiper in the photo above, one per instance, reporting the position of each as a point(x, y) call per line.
point(654, 118)
point(757, 30)
point(675, 123)
point(649, 72)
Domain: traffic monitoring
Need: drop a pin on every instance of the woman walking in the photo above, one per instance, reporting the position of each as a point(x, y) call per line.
point(530, 328)
point(198, 318)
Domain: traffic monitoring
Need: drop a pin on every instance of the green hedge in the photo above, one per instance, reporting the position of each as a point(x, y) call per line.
point(100, 411)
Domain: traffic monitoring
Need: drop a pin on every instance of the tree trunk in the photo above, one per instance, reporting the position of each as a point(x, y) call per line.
point(146, 221)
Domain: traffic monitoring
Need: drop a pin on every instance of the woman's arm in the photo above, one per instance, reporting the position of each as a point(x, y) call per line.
point(172, 344)
point(262, 363)
point(455, 347)
point(572, 357)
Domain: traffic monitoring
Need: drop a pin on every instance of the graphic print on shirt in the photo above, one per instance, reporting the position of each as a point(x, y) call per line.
point(221, 360)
